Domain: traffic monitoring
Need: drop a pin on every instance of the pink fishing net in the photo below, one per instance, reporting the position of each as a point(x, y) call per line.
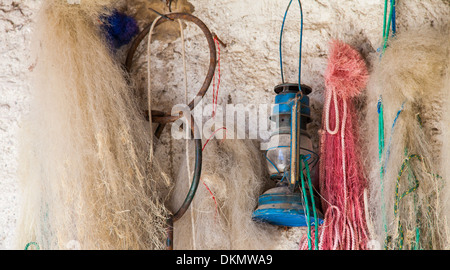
point(341, 179)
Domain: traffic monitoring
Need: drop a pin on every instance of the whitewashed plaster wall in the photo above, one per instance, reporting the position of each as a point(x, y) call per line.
point(249, 63)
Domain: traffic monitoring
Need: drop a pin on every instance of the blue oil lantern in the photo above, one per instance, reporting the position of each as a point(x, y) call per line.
point(292, 163)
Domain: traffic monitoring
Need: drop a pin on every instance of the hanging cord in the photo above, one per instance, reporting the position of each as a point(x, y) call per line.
point(388, 150)
point(384, 165)
point(296, 122)
point(329, 221)
point(330, 95)
point(194, 183)
point(303, 160)
point(32, 243)
point(381, 139)
point(183, 53)
point(394, 25)
point(380, 111)
point(387, 21)
point(281, 39)
point(187, 141)
point(165, 118)
point(149, 83)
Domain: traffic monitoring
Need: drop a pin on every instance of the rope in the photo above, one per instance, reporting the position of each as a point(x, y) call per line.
point(32, 243)
point(305, 198)
point(344, 172)
point(183, 53)
point(149, 84)
point(388, 151)
point(387, 20)
point(186, 100)
point(327, 112)
point(394, 25)
point(313, 204)
point(387, 26)
point(380, 154)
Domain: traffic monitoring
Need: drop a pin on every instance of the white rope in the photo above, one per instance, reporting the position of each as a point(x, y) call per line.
point(149, 84)
point(186, 96)
point(327, 112)
point(333, 96)
point(188, 166)
point(344, 119)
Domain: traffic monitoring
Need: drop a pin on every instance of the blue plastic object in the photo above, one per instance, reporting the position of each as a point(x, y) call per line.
point(119, 29)
point(279, 206)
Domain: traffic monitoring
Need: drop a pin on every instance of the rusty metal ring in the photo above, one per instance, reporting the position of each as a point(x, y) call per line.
point(164, 118)
point(212, 59)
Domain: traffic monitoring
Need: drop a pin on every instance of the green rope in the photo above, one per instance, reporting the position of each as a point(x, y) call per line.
point(416, 245)
point(313, 203)
point(412, 177)
point(380, 154)
point(305, 198)
point(386, 29)
point(32, 243)
point(401, 237)
point(412, 189)
point(398, 198)
point(384, 18)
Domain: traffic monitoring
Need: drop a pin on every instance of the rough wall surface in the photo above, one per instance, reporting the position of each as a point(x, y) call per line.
point(15, 30)
point(249, 63)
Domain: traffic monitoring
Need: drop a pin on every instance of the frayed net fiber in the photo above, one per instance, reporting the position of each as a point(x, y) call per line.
point(404, 153)
point(87, 176)
point(233, 176)
point(342, 182)
point(445, 155)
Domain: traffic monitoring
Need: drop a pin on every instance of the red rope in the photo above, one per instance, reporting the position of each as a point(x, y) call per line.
point(210, 192)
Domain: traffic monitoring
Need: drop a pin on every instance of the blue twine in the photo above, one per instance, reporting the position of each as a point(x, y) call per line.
point(281, 38)
point(386, 30)
point(394, 27)
point(390, 137)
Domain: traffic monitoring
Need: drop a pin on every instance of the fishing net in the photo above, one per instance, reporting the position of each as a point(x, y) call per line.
point(402, 133)
point(233, 176)
point(86, 171)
